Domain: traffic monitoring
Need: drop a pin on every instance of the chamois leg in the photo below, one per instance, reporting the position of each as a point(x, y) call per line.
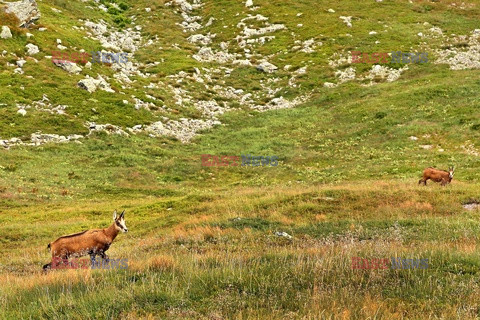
point(92, 259)
point(47, 267)
point(104, 256)
point(424, 181)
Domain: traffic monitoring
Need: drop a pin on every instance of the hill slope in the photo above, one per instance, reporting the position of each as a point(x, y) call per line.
point(214, 242)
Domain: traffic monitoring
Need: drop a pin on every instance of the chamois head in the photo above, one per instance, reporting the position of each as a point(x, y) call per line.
point(120, 221)
point(451, 171)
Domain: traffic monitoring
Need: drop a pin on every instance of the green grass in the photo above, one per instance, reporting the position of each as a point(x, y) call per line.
point(201, 241)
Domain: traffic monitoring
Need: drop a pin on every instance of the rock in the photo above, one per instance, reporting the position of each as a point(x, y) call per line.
point(347, 20)
point(70, 67)
point(91, 85)
point(372, 33)
point(88, 84)
point(249, 3)
point(23, 112)
point(413, 138)
point(331, 10)
point(88, 65)
point(6, 34)
point(26, 11)
point(20, 63)
point(284, 235)
point(59, 41)
point(426, 146)
point(329, 85)
point(42, 29)
point(32, 49)
point(29, 35)
point(267, 67)
point(148, 9)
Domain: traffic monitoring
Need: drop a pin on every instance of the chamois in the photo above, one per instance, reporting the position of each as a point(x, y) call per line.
point(93, 242)
point(437, 175)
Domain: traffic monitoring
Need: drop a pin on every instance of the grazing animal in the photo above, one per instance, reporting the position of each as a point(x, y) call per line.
point(93, 242)
point(437, 175)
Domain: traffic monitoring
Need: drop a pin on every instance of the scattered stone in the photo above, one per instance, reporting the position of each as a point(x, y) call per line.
point(347, 20)
point(413, 138)
point(70, 67)
point(32, 49)
point(471, 205)
point(20, 63)
point(426, 146)
point(331, 10)
point(267, 67)
point(372, 33)
point(284, 235)
point(6, 33)
point(91, 84)
point(249, 3)
point(148, 9)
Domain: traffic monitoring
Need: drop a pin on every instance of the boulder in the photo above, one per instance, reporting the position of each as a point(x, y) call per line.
point(267, 67)
point(26, 11)
point(5, 34)
point(32, 49)
point(70, 67)
point(91, 84)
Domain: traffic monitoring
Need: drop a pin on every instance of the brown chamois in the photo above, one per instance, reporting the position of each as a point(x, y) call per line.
point(437, 175)
point(93, 242)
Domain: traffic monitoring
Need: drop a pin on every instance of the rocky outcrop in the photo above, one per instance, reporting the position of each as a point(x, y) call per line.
point(26, 11)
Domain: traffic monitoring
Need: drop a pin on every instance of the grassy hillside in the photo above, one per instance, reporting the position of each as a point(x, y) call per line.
point(202, 241)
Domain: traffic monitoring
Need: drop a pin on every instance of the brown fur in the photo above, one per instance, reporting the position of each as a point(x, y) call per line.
point(436, 175)
point(92, 242)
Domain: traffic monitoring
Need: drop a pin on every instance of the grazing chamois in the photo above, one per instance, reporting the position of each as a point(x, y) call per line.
point(437, 175)
point(93, 242)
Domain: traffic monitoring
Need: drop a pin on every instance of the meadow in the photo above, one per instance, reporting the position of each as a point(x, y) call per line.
point(203, 242)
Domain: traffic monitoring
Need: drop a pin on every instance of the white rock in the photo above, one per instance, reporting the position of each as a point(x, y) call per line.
point(20, 63)
point(249, 3)
point(347, 20)
point(32, 49)
point(88, 65)
point(267, 67)
point(6, 34)
point(331, 10)
point(70, 67)
point(413, 138)
point(26, 11)
point(29, 35)
point(42, 29)
point(148, 9)
point(59, 41)
point(23, 112)
point(372, 33)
